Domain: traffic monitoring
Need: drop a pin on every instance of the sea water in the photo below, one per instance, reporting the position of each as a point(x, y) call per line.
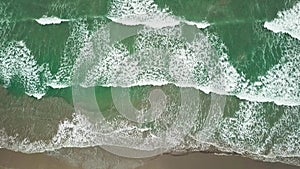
point(153, 76)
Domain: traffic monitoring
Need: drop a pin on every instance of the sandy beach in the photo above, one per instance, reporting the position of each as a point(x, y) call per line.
point(14, 160)
point(210, 161)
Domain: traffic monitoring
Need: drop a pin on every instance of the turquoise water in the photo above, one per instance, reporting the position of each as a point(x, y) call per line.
point(148, 75)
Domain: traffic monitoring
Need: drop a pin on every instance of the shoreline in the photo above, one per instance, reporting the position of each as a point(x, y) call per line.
point(196, 160)
point(190, 160)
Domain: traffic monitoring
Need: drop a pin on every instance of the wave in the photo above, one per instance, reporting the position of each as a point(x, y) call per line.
point(19, 65)
point(280, 82)
point(146, 12)
point(165, 56)
point(133, 12)
point(16, 60)
point(161, 56)
point(250, 130)
point(246, 130)
point(287, 22)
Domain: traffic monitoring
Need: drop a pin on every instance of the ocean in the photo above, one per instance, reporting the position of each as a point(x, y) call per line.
point(140, 78)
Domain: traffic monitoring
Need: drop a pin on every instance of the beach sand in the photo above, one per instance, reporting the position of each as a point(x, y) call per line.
point(14, 160)
point(210, 161)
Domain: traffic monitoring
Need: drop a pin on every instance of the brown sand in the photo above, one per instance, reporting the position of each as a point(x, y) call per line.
point(13, 160)
point(210, 161)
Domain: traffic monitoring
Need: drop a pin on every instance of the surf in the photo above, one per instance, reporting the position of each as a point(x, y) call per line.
point(286, 22)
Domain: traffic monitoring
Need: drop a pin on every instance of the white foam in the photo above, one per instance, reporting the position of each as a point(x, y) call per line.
point(80, 132)
point(57, 85)
point(287, 22)
point(117, 67)
point(146, 12)
point(154, 22)
point(36, 95)
point(200, 25)
point(285, 134)
point(45, 20)
point(280, 84)
point(16, 60)
point(141, 12)
point(200, 64)
point(247, 129)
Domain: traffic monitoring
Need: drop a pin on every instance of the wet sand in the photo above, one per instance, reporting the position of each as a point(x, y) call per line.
point(210, 161)
point(13, 160)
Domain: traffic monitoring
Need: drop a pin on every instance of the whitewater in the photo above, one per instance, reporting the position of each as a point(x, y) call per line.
point(162, 55)
point(189, 61)
point(216, 73)
point(286, 22)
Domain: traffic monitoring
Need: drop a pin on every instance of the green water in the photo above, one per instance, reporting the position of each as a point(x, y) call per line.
point(261, 65)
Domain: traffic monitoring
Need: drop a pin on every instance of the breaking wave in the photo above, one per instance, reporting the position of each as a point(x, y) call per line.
point(17, 61)
point(249, 129)
point(287, 22)
point(158, 57)
point(140, 12)
point(146, 12)
point(17, 64)
point(163, 56)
